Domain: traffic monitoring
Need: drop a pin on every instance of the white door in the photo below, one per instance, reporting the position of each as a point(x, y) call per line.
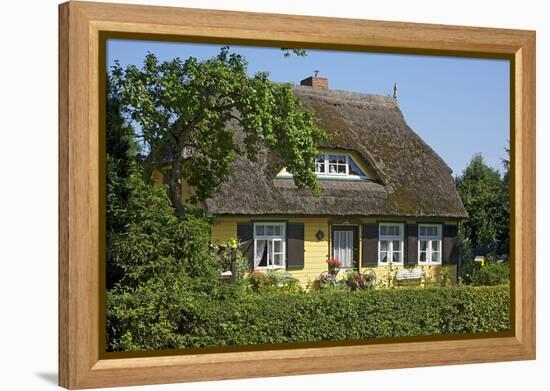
point(342, 247)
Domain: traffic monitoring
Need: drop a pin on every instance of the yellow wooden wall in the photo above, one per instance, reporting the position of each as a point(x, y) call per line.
point(316, 251)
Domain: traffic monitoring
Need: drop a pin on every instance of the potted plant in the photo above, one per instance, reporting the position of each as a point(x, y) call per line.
point(334, 266)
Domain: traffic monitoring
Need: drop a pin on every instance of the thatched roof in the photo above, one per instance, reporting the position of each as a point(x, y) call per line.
point(412, 180)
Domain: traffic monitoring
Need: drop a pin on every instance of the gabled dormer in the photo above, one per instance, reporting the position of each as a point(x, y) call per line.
point(338, 164)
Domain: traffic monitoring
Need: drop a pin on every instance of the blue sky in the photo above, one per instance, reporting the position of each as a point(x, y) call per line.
point(459, 106)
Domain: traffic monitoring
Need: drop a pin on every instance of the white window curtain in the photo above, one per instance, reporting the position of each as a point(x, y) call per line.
point(343, 247)
point(260, 250)
point(269, 245)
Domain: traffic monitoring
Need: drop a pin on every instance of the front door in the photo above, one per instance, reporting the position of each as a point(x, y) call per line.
point(345, 245)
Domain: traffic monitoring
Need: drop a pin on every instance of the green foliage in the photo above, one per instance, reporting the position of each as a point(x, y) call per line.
point(225, 259)
point(160, 260)
point(187, 112)
point(154, 259)
point(492, 274)
point(273, 280)
point(287, 52)
point(282, 317)
point(485, 196)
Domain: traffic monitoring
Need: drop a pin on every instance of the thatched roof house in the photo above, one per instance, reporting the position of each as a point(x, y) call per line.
point(411, 179)
point(388, 198)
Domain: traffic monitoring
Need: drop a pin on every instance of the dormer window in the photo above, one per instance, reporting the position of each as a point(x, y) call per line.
point(334, 165)
point(338, 165)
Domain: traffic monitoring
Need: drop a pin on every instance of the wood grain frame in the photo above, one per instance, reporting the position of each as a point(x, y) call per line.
point(81, 362)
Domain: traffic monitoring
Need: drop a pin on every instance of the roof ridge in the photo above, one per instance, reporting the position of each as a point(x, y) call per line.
point(345, 96)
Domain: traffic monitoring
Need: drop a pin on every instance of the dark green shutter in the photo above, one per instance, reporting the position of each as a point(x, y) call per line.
point(245, 233)
point(370, 245)
point(295, 245)
point(412, 245)
point(450, 248)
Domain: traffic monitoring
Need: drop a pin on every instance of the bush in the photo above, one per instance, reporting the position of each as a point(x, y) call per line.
point(279, 280)
point(492, 274)
point(282, 317)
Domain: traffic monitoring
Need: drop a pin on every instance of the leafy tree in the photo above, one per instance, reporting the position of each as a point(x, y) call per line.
point(485, 197)
point(121, 165)
point(187, 113)
point(155, 261)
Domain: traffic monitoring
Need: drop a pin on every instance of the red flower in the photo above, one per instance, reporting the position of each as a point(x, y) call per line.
point(334, 262)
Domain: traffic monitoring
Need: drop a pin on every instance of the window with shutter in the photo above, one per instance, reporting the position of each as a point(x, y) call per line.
point(390, 244)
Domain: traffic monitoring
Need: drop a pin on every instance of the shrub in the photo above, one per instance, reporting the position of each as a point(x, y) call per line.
point(280, 280)
point(492, 274)
point(275, 317)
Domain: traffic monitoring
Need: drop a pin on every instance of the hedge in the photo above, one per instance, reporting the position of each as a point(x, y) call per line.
point(335, 315)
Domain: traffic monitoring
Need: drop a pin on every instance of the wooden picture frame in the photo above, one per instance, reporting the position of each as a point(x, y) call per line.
point(82, 26)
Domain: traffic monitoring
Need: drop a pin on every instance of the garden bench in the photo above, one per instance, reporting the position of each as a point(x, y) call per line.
point(406, 275)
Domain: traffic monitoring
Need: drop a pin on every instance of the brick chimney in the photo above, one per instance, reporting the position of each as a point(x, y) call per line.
point(315, 82)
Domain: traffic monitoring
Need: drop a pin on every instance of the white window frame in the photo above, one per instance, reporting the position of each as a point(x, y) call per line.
point(430, 239)
point(327, 164)
point(391, 238)
point(272, 238)
point(335, 175)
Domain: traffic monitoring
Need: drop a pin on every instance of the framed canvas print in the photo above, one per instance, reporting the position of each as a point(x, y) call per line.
point(246, 195)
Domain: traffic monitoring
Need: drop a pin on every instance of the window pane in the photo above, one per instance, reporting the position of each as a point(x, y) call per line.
point(436, 256)
point(383, 230)
point(354, 168)
point(259, 230)
point(383, 256)
point(261, 252)
point(422, 231)
point(277, 246)
point(278, 260)
point(422, 256)
point(320, 168)
point(396, 245)
point(384, 245)
point(341, 169)
point(277, 230)
point(269, 230)
point(435, 245)
point(423, 245)
point(396, 256)
point(332, 168)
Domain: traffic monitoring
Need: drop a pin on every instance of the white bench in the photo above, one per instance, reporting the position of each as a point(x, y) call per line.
point(409, 274)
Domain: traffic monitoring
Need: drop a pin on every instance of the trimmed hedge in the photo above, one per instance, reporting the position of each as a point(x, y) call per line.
point(334, 315)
